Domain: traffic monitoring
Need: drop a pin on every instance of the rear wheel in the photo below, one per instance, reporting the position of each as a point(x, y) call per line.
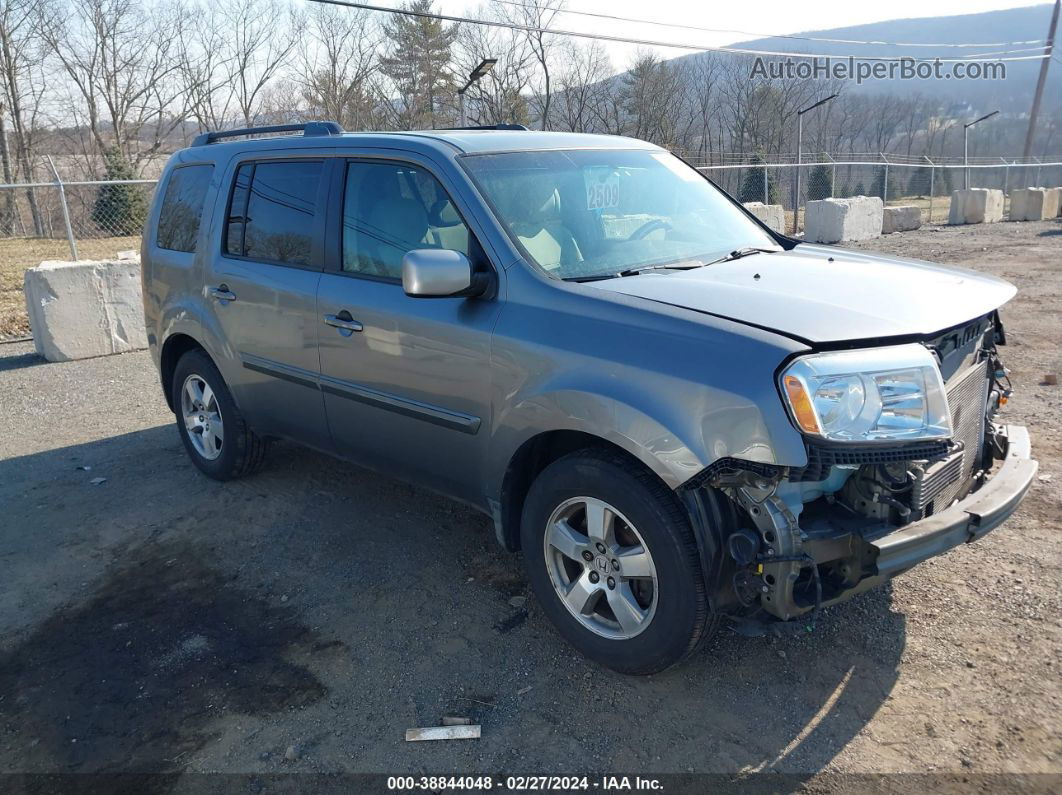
point(214, 432)
point(612, 560)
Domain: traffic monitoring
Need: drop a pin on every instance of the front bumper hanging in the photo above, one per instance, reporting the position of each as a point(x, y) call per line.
point(966, 520)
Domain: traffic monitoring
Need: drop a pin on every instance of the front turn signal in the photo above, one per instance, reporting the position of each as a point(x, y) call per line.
point(800, 402)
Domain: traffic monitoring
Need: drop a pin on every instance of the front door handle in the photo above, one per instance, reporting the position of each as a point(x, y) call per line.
point(222, 293)
point(344, 322)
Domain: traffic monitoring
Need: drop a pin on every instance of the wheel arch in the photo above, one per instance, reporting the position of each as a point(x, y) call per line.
point(533, 456)
point(176, 346)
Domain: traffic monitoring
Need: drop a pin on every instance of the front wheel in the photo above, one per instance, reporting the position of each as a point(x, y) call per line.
point(613, 562)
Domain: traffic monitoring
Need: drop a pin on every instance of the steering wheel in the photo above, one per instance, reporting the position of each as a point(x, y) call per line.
point(647, 227)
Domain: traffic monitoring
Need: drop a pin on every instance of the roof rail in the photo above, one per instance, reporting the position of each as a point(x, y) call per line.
point(309, 128)
point(492, 127)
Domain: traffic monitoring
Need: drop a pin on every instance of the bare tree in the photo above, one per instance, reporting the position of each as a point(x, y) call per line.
point(120, 59)
point(582, 86)
point(336, 64)
point(263, 35)
point(22, 56)
point(536, 15)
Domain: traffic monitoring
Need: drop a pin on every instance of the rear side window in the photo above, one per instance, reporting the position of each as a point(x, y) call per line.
point(182, 207)
point(272, 210)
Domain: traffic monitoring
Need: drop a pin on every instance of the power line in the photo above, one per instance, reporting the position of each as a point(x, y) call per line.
point(646, 42)
point(793, 37)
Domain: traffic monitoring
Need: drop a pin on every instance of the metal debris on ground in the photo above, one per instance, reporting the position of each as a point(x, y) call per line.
point(443, 733)
point(453, 720)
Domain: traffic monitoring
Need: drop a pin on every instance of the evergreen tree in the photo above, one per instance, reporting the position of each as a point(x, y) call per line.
point(944, 183)
point(918, 184)
point(752, 186)
point(820, 183)
point(877, 187)
point(419, 64)
point(119, 209)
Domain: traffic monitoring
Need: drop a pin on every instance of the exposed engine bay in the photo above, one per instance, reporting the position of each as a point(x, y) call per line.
point(804, 538)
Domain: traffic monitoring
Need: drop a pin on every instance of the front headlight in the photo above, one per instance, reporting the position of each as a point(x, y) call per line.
point(869, 395)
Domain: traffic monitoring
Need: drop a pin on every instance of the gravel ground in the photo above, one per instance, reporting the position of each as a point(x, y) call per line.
point(302, 619)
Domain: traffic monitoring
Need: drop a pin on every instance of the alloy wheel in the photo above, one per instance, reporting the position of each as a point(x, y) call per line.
point(202, 417)
point(600, 568)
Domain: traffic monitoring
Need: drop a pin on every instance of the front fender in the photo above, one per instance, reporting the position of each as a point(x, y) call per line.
point(603, 416)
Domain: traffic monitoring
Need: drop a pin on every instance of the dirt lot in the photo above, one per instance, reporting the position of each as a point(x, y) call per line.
point(302, 619)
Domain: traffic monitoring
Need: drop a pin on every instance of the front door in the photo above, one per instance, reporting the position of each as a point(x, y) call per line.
point(406, 381)
point(263, 288)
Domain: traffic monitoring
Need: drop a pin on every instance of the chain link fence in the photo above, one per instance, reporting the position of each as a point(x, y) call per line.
point(923, 183)
point(98, 210)
point(75, 211)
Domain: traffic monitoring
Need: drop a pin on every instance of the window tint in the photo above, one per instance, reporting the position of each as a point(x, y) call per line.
point(389, 209)
point(182, 207)
point(271, 215)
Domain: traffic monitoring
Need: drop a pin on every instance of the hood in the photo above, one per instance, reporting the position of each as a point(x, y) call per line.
point(822, 294)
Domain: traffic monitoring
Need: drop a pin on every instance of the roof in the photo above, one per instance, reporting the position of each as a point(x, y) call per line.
point(477, 141)
point(448, 141)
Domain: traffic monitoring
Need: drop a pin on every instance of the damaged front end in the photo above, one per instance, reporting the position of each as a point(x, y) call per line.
point(788, 541)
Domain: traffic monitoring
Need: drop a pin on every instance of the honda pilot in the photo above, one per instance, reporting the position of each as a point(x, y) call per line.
point(678, 416)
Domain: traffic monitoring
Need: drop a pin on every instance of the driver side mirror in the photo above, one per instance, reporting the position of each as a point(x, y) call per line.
point(441, 273)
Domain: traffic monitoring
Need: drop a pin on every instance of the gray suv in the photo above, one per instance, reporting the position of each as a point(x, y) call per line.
point(678, 416)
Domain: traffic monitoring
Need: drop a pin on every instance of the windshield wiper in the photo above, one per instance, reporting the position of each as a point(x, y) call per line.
point(674, 266)
point(738, 253)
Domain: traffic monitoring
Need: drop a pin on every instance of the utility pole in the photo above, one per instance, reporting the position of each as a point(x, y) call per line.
point(800, 143)
point(966, 147)
point(478, 73)
point(1041, 81)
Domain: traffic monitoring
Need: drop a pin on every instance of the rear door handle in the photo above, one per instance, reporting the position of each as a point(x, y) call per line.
point(222, 293)
point(344, 322)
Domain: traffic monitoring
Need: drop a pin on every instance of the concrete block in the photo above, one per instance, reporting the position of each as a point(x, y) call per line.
point(82, 309)
point(836, 220)
point(1033, 204)
point(976, 206)
point(771, 214)
point(1057, 200)
point(903, 218)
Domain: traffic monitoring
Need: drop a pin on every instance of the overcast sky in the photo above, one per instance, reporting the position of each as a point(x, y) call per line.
point(756, 17)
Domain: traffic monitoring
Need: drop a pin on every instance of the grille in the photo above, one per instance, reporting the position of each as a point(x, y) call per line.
point(967, 398)
point(823, 457)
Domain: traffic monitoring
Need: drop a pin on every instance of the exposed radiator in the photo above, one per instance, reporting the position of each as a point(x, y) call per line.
point(943, 481)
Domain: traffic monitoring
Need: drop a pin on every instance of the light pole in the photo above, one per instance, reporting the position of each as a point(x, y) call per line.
point(966, 148)
point(480, 71)
point(800, 143)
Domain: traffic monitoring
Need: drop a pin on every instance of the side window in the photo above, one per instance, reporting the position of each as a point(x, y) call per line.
point(392, 208)
point(271, 213)
point(182, 207)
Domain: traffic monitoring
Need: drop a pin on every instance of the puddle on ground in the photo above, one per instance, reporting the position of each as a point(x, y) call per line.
point(133, 679)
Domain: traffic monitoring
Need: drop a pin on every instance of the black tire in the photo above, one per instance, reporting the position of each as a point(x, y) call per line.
point(242, 451)
point(682, 619)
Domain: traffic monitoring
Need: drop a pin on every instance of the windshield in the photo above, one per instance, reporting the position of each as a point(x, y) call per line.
point(591, 213)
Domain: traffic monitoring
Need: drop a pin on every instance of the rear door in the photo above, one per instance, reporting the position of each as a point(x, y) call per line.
point(406, 381)
point(263, 289)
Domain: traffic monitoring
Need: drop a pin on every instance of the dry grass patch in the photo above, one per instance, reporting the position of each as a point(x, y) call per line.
point(18, 254)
